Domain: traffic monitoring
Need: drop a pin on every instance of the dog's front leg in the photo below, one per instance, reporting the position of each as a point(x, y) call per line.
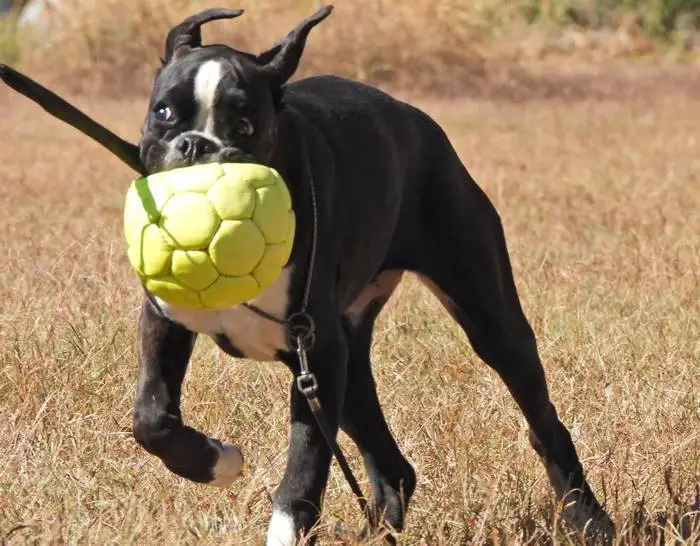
point(164, 349)
point(297, 503)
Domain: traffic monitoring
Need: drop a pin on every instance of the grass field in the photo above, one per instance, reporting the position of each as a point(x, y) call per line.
point(599, 192)
point(435, 46)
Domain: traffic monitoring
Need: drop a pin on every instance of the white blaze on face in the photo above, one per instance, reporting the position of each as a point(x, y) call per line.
point(205, 85)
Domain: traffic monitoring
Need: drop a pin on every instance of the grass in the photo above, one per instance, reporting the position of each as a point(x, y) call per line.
point(9, 44)
point(447, 46)
point(112, 41)
point(598, 191)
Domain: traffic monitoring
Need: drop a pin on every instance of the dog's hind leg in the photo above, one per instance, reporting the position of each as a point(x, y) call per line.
point(164, 349)
point(463, 258)
point(393, 479)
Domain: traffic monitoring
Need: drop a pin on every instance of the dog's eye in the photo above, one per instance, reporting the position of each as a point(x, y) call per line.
point(244, 127)
point(162, 112)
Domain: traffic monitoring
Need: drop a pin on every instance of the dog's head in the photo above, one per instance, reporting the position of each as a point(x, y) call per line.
point(215, 104)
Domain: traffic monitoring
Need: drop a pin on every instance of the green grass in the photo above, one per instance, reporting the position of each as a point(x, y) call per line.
point(659, 18)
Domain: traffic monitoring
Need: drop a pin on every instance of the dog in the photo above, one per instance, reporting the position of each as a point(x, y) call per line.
point(378, 190)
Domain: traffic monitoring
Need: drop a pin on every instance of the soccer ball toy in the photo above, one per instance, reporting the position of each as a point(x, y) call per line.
point(209, 236)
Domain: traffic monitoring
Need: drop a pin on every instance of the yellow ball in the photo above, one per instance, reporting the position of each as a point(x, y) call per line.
point(209, 236)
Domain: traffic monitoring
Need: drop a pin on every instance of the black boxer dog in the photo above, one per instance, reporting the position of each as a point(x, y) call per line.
point(378, 190)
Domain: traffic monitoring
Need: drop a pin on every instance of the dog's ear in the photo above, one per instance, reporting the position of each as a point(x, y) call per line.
point(282, 60)
point(188, 35)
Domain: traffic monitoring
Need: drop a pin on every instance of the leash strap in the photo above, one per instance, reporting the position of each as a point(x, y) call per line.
point(308, 386)
point(301, 334)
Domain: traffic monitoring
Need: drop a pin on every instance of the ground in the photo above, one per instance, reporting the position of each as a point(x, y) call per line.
point(599, 194)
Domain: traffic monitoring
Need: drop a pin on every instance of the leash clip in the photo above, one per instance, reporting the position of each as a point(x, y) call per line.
point(301, 331)
point(307, 384)
point(306, 381)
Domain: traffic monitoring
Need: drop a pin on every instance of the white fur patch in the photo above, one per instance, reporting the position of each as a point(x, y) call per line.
point(255, 336)
point(228, 466)
point(205, 85)
point(281, 530)
point(381, 287)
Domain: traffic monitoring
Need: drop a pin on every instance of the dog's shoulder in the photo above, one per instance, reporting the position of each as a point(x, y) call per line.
point(338, 93)
point(338, 105)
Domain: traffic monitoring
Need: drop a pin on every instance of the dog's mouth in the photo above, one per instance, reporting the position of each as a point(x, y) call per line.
point(224, 155)
point(234, 155)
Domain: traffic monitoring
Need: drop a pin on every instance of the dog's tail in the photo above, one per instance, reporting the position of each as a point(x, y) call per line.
point(66, 112)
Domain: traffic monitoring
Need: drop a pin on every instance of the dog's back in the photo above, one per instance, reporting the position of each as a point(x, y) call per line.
point(362, 121)
point(382, 153)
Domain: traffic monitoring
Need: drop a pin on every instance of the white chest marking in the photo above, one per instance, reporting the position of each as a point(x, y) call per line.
point(255, 336)
point(205, 85)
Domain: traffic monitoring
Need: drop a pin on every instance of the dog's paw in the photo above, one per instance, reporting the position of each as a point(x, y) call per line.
point(228, 466)
point(600, 530)
point(592, 520)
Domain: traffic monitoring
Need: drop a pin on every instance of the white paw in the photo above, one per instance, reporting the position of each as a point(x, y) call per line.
point(281, 530)
point(228, 466)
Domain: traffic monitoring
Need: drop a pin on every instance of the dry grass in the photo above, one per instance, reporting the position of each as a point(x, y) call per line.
point(112, 41)
point(446, 46)
point(600, 202)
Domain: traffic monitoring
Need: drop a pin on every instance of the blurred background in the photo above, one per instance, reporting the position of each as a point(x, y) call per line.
point(440, 46)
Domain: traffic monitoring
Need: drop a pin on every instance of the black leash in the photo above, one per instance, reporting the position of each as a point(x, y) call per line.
point(301, 335)
point(308, 386)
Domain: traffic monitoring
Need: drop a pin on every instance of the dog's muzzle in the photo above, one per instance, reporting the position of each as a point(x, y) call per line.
point(193, 147)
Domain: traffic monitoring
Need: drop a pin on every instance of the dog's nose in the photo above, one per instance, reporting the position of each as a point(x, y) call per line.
point(193, 147)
